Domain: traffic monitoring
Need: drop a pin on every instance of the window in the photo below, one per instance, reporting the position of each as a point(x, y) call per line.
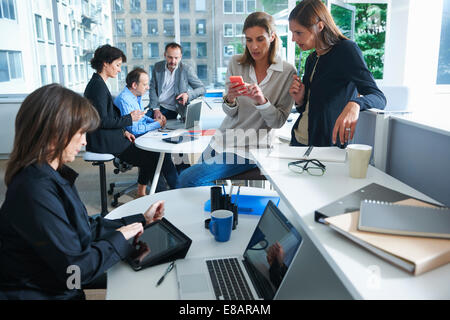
point(201, 50)
point(39, 31)
point(184, 5)
point(238, 29)
point(228, 30)
point(150, 72)
point(44, 77)
point(77, 75)
point(122, 46)
point(123, 73)
point(136, 27)
point(240, 6)
point(120, 27)
point(169, 27)
point(153, 50)
point(54, 72)
point(200, 5)
point(168, 6)
point(251, 6)
point(70, 73)
point(49, 24)
point(10, 65)
point(135, 6)
point(227, 6)
point(202, 72)
point(118, 5)
point(201, 27)
point(186, 50)
point(228, 50)
point(152, 27)
point(443, 72)
point(137, 50)
point(185, 28)
point(151, 5)
point(8, 9)
point(66, 34)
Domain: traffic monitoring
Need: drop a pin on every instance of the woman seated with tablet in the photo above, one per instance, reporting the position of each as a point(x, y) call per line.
point(49, 247)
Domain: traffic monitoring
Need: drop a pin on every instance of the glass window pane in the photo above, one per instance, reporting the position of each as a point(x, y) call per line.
point(200, 5)
point(54, 74)
point(135, 5)
point(151, 5)
point(201, 50)
point(136, 27)
point(4, 70)
point(118, 5)
point(186, 50)
point(184, 5)
point(120, 27)
point(153, 50)
point(15, 65)
point(201, 26)
point(38, 22)
point(185, 28)
point(168, 6)
point(251, 6)
point(137, 50)
point(240, 6)
point(169, 27)
point(227, 30)
point(152, 27)
point(44, 78)
point(202, 72)
point(228, 6)
point(12, 11)
point(443, 72)
point(122, 46)
point(49, 30)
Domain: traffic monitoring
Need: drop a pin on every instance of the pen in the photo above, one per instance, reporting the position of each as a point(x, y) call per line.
point(237, 196)
point(299, 65)
point(308, 151)
point(224, 191)
point(169, 268)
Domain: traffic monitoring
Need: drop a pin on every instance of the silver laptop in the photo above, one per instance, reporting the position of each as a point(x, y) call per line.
point(258, 274)
point(192, 117)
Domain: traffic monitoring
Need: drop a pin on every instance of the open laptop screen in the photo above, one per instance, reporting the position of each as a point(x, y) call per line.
point(271, 251)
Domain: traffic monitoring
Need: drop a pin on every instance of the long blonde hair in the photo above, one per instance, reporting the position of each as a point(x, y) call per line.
point(46, 122)
point(266, 21)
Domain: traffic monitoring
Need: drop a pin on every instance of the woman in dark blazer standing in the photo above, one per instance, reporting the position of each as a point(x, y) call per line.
point(111, 137)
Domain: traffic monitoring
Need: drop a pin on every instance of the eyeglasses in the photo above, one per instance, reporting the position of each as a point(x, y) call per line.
point(314, 167)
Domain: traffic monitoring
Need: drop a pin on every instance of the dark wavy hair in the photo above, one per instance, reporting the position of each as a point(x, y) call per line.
point(309, 12)
point(108, 54)
point(46, 122)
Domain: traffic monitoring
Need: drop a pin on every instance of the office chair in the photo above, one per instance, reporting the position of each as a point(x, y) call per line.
point(99, 159)
point(249, 175)
point(121, 166)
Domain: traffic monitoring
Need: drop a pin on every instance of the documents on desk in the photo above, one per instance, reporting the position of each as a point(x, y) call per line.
point(413, 254)
point(330, 154)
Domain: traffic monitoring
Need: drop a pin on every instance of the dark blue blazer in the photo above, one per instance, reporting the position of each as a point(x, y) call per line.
point(45, 229)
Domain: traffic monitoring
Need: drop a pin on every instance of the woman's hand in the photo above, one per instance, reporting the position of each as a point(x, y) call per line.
point(255, 93)
point(136, 115)
point(154, 212)
point(297, 90)
point(235, 90)
point(131, 230)
point(346, 123)
point(129, 136)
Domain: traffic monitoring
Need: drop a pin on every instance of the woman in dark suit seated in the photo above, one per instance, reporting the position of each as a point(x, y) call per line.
point(111, 137)
point(49, 247)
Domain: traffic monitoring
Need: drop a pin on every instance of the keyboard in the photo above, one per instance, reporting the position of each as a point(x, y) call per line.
point(228, 280)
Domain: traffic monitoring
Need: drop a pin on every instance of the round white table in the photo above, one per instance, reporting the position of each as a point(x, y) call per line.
point(184, 208)
point(152, 141)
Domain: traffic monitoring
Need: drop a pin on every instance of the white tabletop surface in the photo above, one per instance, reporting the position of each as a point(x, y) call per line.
point(365, 275)
point(184, 209)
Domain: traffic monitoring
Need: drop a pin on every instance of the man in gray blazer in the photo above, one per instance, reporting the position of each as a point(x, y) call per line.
point(173, 85)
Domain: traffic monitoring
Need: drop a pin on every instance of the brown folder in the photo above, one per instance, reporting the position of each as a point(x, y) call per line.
point(413, 254)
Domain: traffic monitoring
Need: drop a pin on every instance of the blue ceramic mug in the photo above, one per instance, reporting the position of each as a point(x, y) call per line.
point(221, 224)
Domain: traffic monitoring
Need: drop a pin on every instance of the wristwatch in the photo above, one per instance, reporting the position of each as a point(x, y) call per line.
point(228, 103)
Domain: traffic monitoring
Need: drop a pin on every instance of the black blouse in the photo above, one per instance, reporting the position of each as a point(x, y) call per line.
point(340, 75)
point(45, 229)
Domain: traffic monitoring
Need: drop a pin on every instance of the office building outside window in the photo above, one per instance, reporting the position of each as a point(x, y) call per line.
point(185, 27)
point(153, 50)
point(184, 6)
point(186, 50)
point(38, 23)
point(135, 6)
point(151, 6)
point(137, 50)
point(169, 27)
point(227, 6)
point(8, 9)
point(152, 27)
point(201, 50)
point(136, 27)
point(168, 6)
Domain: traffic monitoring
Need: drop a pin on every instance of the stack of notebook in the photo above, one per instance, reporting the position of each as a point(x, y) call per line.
point(412, 234)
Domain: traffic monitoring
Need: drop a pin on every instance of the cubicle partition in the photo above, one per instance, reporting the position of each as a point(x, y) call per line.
point(420, 157)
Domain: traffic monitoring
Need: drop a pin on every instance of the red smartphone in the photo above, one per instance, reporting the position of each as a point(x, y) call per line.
point(236, 80)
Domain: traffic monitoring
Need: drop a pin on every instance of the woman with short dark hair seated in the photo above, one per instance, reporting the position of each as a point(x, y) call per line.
point(49, 247)
point(111, 136)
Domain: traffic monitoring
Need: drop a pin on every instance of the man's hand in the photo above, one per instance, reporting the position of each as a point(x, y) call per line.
point(131, 230)
point(129, 136)
point(182, 98)
point(157, 114)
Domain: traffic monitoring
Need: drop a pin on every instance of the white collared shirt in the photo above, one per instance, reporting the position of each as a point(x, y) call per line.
point(167, 97)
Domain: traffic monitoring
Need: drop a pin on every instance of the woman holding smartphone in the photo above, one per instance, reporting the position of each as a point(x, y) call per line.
point(253, 107)
point(49, 247)
point(336, 85)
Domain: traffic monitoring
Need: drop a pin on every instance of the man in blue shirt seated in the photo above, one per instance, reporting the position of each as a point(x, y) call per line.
point(130, 99)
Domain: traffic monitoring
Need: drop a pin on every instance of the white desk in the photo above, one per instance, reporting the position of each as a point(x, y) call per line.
point(184, 209)
point(355, 267)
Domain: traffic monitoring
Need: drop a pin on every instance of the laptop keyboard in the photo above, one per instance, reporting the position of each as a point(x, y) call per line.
point(228, 280)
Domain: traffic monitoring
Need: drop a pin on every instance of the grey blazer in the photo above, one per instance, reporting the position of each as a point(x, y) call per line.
point(185, 81)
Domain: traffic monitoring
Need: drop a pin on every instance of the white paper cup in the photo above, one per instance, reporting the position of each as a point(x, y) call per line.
point(358, 158)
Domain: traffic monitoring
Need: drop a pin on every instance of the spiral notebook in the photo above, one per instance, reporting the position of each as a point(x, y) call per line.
point(385, 217)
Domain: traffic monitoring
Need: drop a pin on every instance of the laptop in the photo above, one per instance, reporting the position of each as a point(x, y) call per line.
point(258, 274)
point(192, 117)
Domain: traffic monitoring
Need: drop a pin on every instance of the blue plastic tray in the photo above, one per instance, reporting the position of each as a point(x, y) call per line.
point(249, 204)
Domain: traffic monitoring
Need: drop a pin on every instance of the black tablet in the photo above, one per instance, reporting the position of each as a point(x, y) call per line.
point(179, 139)
point(161, 242)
